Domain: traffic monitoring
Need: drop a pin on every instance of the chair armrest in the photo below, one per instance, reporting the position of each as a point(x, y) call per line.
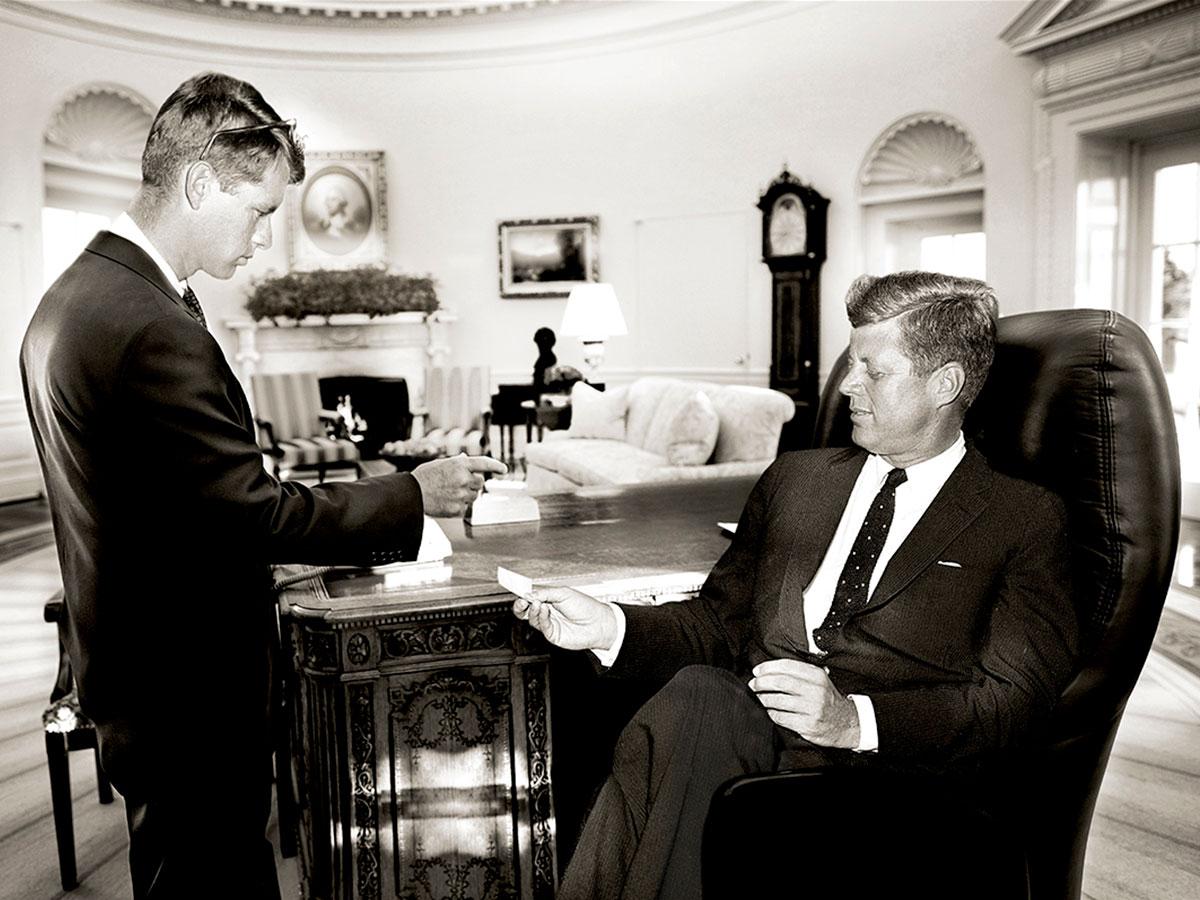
point(870, 829)
point(266, 429)
point(485, 424)
point(53, 610)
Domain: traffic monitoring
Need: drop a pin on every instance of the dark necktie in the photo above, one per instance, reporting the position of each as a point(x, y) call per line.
point(854, 584)
point(193, 305)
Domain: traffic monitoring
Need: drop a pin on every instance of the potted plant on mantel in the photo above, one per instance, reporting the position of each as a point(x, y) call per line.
point(340, 295)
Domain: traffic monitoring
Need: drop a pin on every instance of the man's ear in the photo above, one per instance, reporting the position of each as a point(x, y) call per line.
point(199, 183)
point(947, 383)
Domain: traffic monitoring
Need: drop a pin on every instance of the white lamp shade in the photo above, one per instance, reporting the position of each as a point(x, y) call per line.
point(593, 313)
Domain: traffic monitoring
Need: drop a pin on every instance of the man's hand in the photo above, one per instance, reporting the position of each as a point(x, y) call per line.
point(569, 619)
point(800, 697)
point(449, 486)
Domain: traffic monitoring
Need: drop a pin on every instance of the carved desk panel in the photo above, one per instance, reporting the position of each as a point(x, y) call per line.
point(421, 719)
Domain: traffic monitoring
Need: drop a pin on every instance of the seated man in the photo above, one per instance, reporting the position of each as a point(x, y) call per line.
point(899, 605)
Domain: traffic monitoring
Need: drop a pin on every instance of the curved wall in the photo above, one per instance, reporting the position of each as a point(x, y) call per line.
point(680, 130)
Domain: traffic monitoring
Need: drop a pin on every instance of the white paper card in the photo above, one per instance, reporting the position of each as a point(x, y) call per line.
point(511, 581)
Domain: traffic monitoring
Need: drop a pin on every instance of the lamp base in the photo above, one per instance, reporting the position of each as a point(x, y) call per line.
point(593, 356)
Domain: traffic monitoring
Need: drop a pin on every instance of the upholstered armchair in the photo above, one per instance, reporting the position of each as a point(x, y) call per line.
point(454, 415)
point(1076, 401)
point(294, 431)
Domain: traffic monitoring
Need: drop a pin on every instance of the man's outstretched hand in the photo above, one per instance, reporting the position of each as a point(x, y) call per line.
point(449, 486)
point(800, 697)
point(569, 619)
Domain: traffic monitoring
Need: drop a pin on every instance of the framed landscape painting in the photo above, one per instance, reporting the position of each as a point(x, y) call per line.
point(547, 257)
point(339, 215)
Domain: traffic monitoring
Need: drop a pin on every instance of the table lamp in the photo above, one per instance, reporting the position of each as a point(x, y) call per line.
point(593, 315)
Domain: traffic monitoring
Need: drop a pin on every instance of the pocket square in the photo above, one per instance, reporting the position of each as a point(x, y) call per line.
point(950, 563)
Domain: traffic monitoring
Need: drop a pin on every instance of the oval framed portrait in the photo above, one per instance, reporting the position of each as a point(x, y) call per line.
point(339, 213)
point(336, 210)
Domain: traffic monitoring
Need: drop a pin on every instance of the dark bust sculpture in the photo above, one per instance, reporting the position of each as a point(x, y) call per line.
point(544, 338)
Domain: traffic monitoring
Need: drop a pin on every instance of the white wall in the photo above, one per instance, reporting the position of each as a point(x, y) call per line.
point(689, 130)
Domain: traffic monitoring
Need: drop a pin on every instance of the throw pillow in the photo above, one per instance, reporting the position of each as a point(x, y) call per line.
point(693, 432)
point(596, 414)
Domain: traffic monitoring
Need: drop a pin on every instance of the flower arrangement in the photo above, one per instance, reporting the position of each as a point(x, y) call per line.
point(326, 292)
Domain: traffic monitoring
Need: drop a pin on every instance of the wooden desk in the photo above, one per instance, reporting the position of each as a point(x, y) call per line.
point(421, 716)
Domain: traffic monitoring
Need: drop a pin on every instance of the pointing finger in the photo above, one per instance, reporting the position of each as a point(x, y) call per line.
point(486, 464)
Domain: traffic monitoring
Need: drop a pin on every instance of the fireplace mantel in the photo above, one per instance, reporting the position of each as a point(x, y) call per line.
point(399, 345)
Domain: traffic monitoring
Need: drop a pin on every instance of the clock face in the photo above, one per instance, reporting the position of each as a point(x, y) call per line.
point(789, 227)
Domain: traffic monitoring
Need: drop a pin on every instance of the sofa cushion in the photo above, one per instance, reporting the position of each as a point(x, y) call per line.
point(588, 461)
point(642, 408)
point(751, 419)
point(669, 401)
point(596, 414)
point(693, 432)
point(564, 465)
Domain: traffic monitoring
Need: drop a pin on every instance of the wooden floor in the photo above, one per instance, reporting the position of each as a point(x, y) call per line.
point(1145, 837)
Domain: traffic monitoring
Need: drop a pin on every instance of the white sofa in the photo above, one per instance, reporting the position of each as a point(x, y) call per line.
point(659, 429)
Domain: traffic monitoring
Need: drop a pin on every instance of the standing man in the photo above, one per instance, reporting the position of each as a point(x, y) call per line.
point(898, 605)
point(165, 520)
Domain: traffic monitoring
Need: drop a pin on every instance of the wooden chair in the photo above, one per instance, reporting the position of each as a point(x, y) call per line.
point(67, 729)
point(292, 425)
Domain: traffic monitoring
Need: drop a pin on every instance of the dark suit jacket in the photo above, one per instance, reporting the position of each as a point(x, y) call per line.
point(959, 661)
point(165, 520)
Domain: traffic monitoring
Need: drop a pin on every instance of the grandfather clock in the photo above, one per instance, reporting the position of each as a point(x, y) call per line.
point(794, 249)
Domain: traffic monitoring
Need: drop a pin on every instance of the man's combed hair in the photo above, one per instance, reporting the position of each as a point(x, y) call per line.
point(944, 318)
point(208, 103)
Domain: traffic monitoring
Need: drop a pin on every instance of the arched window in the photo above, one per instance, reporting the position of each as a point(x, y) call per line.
point(921, 188)
point(91, 153)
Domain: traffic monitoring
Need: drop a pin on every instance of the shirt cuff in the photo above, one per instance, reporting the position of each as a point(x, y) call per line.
point(609, 656)
point(868, 730)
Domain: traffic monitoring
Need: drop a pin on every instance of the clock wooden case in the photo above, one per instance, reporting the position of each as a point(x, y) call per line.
point(794, 249)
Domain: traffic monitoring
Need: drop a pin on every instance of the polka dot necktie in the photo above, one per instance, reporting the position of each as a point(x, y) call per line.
point(193, 305)
point(854, 584)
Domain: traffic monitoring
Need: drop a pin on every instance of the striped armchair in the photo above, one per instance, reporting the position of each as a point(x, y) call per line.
point(454, 416)
point(292, 426)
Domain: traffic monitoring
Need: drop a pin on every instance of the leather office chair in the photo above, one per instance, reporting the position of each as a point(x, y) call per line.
point(292, 425)
point(1076, 401)
point(67, 729)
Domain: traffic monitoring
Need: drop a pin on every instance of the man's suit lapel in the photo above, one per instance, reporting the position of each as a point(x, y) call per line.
point(811, 542)
point(132, 257)
point(129, 255)
point(960, 501)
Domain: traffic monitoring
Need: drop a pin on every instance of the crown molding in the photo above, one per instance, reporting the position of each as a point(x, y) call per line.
point(1141, 49)
point(544, 32)
point(1047, 27)
point(353, 13)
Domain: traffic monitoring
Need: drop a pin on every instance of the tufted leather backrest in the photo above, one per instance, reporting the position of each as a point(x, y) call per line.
point(1076, 401)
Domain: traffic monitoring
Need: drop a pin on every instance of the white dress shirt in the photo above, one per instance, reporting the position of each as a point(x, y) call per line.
point(125, 227)
point(924, 481)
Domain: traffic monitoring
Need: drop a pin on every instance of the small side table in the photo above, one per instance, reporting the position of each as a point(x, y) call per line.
point(545, 415)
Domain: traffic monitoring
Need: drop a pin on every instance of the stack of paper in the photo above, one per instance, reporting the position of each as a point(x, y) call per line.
point(642, 590)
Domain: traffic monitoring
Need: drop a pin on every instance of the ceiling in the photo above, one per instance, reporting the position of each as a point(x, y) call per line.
point(387, 34)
